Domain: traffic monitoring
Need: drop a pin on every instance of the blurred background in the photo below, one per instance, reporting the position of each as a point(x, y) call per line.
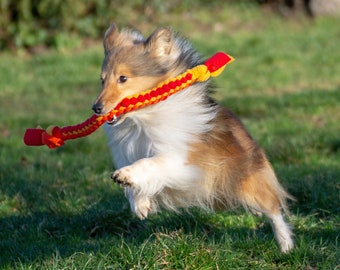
point(37, 24)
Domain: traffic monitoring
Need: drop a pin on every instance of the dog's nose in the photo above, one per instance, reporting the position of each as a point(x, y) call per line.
point(98, 108)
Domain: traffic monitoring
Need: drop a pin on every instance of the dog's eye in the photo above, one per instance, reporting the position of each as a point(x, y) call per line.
point(122, 79)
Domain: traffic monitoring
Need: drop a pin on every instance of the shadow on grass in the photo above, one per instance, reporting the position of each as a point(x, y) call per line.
point(38, 236)
point(316, 190)
point(259, 106)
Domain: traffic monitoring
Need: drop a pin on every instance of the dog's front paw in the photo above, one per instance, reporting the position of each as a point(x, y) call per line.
point(122, 177)
point(142, 208)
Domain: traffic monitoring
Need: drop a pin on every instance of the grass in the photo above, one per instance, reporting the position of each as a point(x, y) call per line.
point(60, 210)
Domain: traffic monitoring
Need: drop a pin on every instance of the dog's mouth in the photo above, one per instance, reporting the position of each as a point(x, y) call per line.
point(114, 121)
point(100, 110)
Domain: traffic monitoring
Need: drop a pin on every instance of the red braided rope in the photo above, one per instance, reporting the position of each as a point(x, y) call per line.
point(55, 136)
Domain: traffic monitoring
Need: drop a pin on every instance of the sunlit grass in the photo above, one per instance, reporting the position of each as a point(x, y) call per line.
point(60, 210)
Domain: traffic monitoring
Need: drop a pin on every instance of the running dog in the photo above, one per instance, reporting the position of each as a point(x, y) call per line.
point(186, 151)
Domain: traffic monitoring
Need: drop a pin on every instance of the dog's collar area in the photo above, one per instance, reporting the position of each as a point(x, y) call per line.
point(55, 136)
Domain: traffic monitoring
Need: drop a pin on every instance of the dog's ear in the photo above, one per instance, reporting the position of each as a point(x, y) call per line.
point(160, 42)
point(111, 35)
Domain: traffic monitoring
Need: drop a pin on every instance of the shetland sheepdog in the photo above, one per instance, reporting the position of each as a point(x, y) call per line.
point(186, 151)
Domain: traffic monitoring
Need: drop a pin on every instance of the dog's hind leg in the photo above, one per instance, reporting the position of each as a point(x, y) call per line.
point(282, 232)
point(261, 192)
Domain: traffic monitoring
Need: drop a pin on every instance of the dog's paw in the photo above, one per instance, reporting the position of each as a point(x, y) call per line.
point(122, 177)
point(142, 208)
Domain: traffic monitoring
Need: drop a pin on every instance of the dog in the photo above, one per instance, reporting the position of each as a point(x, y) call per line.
point(186, 151)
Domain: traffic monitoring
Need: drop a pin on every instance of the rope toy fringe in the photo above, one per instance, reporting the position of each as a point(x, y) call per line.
point(55, 136)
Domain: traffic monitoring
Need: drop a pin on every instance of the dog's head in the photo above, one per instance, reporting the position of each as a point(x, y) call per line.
point(133, 64)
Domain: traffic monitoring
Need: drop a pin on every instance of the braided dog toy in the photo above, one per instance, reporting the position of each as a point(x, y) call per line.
point(55, 136)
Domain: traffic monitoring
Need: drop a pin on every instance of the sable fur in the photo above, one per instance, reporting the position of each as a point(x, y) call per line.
point(187, 150)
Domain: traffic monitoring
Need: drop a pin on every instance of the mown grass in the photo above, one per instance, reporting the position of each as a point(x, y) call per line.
point(60, 210)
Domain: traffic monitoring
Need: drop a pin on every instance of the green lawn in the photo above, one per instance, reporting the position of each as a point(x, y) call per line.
point(60, 210)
